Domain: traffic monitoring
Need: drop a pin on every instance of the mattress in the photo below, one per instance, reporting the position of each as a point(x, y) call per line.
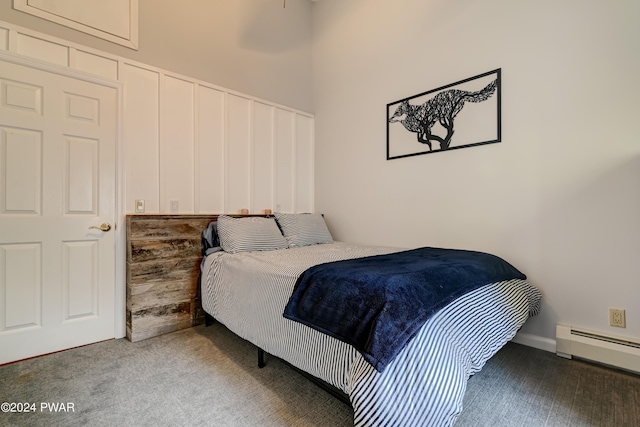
point(423, 385)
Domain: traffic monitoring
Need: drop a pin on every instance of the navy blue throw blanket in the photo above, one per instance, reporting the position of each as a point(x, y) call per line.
point(378, 303)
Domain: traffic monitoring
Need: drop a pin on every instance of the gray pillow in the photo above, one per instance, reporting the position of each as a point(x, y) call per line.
point(249, 234)
point(303, 229)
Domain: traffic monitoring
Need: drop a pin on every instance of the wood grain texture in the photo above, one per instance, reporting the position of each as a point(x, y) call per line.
point(163, 266)
point(145, 250)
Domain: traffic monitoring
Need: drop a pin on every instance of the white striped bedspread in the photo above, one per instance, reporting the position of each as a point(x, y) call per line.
point(423, 386)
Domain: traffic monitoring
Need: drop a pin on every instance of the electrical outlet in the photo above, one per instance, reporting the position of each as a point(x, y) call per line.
point(617, 317)
point(174, 206)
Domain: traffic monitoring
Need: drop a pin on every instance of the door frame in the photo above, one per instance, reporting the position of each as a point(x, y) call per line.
point(120, 326)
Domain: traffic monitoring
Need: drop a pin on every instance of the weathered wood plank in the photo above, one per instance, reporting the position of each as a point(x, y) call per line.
point(174, 227)
point(151, 294)
point(159, 320)
point(163, 266)
point(164, 270)
point(145, 250)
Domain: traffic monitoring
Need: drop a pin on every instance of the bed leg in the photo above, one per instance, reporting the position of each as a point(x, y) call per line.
point(260, 358)
point(208, 319)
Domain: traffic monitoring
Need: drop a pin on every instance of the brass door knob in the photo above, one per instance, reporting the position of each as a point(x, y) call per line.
point(103, 227)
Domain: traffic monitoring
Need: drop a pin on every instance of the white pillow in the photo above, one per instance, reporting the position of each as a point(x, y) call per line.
point(249, 234)
point(303, 229)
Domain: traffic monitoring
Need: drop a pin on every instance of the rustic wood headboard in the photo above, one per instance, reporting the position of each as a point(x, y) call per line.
point(163, 264)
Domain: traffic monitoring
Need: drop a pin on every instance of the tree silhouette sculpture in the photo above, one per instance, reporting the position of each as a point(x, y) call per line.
point(442, 108)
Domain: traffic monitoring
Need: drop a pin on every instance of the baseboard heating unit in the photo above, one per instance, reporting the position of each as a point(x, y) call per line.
point(619, 352)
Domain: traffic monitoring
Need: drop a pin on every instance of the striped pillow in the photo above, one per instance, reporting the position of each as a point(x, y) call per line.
point(249, 234)
point(303, 229)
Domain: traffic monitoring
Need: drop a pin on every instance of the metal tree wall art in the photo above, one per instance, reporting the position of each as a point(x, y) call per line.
point(427, 122)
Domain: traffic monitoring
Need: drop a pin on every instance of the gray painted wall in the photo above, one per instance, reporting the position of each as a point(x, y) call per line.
point(559, 197)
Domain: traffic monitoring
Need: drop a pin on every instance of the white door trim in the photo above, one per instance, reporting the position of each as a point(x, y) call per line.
point(120, 226)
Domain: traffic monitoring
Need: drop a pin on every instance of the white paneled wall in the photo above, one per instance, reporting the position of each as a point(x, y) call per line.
point(303, 163)
point(95, 64)
point(205, 148)
point(285, 154)
point(4, 38)
point(262, 189)
point(44, 50)
point(238, 147)
point(141, 134)
point(210, 137)
point(177, 144)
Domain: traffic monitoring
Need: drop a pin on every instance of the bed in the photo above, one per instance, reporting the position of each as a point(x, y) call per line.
point(251, 271)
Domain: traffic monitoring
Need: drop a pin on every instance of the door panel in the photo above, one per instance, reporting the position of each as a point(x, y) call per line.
point(81, 177)
point(23, 285)
point(22, 166)
point(57, 181)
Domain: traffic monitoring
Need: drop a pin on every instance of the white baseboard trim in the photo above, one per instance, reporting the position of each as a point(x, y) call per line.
point(535, 341)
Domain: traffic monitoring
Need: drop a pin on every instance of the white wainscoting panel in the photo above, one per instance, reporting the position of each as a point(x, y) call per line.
point(285, 156)
point(95, 64)
point(238, 153)
point(263, 167)
point(304, 164)
point(4, 39)
point(177, 99)
point(211, 149)
point(43, 50)
point(209, 163)
point(141, 135)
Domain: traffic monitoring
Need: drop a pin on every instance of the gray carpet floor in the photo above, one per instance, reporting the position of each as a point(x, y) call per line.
point(208, 377)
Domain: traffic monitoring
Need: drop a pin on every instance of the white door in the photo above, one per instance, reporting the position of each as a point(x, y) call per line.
point(57, 180)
